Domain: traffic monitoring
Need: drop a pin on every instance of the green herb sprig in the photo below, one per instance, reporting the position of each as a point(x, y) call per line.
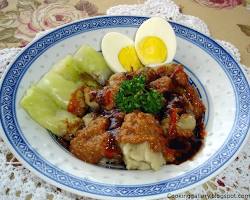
point(133, 95)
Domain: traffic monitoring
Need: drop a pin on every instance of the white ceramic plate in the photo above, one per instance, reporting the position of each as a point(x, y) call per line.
point(218, 77)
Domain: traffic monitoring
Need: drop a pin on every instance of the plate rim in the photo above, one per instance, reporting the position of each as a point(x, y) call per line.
point(49, 180)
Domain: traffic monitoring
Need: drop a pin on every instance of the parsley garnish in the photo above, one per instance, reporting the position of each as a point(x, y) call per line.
point(133, 95)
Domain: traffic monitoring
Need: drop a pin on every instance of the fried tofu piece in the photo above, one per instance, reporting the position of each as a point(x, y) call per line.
point(89, 144)
point(163, 84)
point(106, 97)
point(117, 78)
point(90, 98)
point(139, 127)
point(77, 105)
point(149, 73)
point(197, 104)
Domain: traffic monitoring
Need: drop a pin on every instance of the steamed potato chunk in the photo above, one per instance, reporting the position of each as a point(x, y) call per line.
point(184, 127)
point(140, 156)
point(186, 122)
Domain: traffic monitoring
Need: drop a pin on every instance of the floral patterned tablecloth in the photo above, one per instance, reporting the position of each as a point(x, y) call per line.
point(21, 20)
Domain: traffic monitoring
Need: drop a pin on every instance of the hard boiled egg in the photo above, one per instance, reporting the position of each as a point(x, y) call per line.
point(155, 42)
point(119, 52)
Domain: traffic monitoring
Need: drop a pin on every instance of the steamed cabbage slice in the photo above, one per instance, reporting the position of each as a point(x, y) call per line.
point(48, 100)
point(93, 63)
point(63, 79)
point(47, 113)
point(59, 89)
point(67, 69)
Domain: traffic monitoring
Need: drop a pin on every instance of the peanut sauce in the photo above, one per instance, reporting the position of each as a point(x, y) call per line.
point(116, 127)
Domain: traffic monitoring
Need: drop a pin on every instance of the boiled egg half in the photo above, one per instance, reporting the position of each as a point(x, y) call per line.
point(119, 52)
point(155, 42)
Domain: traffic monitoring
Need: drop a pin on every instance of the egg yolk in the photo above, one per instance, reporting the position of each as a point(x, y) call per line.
point(152, 50)
point(129, 59)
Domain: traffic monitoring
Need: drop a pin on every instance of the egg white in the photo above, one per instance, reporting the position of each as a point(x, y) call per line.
point(159, 27)
point(112, 43)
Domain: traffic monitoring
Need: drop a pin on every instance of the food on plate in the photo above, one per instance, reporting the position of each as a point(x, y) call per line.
point(155, 42)
point(167, 130)
point(57, 88)
point(141, 117)
point(121, 55)
point(93, 63)
point(56, 102)
point(48, 114)
point(140, 156)
point(66, 69)
point(154, 45)
point(134, 95)
point(142, 142)
point(140, 131)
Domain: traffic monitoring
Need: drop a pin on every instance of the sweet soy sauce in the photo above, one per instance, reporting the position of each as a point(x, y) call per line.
point(187, 148)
